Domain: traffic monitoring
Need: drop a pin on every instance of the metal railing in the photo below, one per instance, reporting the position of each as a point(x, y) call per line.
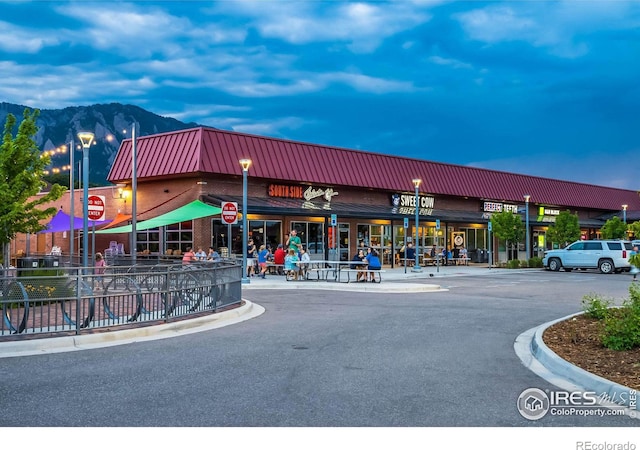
point(48, 301)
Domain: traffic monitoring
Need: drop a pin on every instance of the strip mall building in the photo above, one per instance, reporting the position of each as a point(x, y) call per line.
point(332, 196)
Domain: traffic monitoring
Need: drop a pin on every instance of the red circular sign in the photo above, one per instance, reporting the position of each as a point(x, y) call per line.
point(229, 213)
point(96, 207)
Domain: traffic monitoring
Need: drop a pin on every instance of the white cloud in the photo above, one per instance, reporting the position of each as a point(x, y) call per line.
point(361, 26)
point(563, 28)
point(456, 64)
point(15, 39)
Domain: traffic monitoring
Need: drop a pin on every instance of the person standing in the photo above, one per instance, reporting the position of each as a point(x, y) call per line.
point(294, 242)
point(251, 250)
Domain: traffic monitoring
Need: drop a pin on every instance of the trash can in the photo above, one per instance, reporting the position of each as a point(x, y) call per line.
point(51, 261)
point(26, 265)
point(477, 255)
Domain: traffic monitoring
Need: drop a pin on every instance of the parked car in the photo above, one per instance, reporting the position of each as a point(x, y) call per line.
point(608, 256)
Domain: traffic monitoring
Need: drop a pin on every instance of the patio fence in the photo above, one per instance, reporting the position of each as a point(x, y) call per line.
point(55, 301)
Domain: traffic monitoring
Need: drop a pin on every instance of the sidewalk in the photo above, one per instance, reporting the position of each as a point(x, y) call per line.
point(396, 280)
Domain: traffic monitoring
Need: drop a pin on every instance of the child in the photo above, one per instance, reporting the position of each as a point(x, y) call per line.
point(290, 264)
point(263, 255)
point(99, 269)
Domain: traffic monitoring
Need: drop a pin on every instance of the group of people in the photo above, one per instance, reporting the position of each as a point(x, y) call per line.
point(289, 257)
point(372, 260)
point(190, 256)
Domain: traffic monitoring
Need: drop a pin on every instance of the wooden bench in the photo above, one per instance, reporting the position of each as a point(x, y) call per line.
point(357, 271)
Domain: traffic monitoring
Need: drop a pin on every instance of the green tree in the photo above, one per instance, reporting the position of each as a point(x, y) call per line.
point(635, 229)
point(614, 228)
point(508, 227)
point(21, 169)
point(565, 230)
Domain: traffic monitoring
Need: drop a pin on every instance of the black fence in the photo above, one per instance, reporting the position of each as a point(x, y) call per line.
point(42, 298)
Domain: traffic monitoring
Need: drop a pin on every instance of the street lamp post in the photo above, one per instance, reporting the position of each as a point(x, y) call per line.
point(416, 264)
point(245, 163)
point(134, 196)
point(624, 213)
point(87, 139)
point(72, 225)
point(526, 206)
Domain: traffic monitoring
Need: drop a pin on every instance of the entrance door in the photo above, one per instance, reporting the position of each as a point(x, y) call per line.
point(343, 239)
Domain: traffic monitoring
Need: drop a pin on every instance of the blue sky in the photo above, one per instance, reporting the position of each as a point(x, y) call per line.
point(540, 88)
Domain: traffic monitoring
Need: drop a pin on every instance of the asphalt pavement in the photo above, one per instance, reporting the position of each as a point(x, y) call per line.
point(529, 347)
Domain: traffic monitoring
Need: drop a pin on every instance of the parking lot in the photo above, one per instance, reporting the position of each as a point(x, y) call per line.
point(322, 359)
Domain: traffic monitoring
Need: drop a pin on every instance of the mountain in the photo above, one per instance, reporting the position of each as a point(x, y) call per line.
point(111, 123)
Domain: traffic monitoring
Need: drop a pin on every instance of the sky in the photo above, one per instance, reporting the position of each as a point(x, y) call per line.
point(541, 88)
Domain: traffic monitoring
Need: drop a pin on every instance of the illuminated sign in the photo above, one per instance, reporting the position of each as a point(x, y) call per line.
point(300, 192)
point(499, 207)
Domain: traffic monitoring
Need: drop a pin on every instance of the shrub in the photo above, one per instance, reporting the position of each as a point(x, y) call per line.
point(622, 327)
point(621, 330)
point(513, 264)
point(595, 306)
point(535, 261)
point(524, 264)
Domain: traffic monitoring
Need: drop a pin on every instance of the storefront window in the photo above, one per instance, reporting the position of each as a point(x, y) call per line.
point(179, 236)
point(311, 234)
point(268, 232)
point(148, 240)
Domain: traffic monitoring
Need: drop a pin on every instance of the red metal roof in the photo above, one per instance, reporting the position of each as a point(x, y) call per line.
point(208, 150)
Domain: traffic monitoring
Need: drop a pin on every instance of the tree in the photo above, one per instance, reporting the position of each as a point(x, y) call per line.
point(508, 227)
point(21, 169)
point(614, 228)
point(565, 230)
point(635, 229)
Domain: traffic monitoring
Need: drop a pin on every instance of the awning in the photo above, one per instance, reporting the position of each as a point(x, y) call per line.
point(194, 210)
point(62, 222)
point(118, 220)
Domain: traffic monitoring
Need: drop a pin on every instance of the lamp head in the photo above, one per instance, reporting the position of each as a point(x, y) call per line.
point(245, 163)
point(526, 197)
point(624, 207)
point(416, 182)
point(86, 138)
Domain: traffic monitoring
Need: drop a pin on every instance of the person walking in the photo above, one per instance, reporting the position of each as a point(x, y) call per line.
point(99, 270)
point(634, 259)
point(263, 256)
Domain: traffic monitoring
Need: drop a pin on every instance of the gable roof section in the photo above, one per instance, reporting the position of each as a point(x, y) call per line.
point(208, 150)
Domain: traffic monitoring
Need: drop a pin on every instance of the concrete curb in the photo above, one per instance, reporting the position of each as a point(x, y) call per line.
point(540, 359)
point(387, 288)
point(90, 341)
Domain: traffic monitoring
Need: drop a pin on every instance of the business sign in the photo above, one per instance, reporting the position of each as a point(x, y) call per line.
point(95, 207)
point(334, 220)
point(229, 213)
point(499, 207)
